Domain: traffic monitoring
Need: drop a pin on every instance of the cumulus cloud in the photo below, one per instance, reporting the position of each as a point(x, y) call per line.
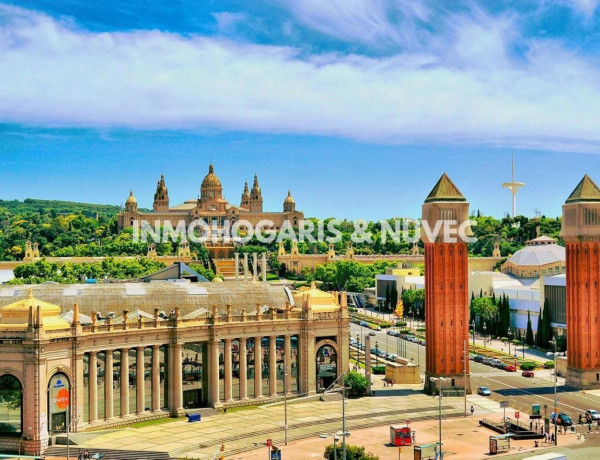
point(54, 73)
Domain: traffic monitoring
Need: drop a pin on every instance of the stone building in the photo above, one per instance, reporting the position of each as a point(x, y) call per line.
point(210, 206)
point(156, 350)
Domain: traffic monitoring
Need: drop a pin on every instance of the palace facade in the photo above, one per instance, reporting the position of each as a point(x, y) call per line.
point(209, 207)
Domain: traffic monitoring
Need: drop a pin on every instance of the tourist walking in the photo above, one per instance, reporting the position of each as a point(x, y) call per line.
point(472, 410)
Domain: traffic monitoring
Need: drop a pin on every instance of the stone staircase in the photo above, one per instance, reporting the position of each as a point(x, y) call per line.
point(109, 454)
point(225, 267)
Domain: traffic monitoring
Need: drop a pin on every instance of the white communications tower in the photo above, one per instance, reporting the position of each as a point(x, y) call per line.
point(513, 187)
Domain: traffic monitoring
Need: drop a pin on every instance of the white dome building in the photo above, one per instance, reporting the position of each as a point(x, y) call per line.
point(541, 257)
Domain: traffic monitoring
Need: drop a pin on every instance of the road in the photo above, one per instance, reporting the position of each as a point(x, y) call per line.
point(521, 392)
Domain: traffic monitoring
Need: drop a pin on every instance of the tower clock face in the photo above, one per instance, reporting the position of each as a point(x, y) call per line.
point(212, 208)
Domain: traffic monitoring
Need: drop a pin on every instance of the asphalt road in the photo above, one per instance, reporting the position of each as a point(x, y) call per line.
point(521, 392)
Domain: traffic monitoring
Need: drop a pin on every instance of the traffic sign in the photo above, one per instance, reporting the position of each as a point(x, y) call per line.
point(517, 415)
point(503, 404)
point(408, 421)
point(269, 442)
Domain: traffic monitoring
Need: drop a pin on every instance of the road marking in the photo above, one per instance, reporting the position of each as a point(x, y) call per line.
point(533, 394)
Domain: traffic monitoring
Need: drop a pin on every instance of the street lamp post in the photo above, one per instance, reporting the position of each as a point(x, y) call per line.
point(358, 351)
point(285, 413)
point(484, 336)
point(376, 354)
point(473, 326)
point(509, 335)
point(440, 380)
point(555, 354)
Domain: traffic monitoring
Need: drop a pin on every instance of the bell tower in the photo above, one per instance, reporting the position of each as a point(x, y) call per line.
point(256, 200)
point(581, 233)
point(161, 196)
point(445, 215)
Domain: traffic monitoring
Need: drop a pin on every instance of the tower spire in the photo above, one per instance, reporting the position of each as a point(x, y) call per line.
point(513, 187)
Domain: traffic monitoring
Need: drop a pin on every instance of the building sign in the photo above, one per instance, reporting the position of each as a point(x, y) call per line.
point(62, 399)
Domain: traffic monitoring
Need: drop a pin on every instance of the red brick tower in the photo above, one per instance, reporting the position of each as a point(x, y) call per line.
point(581, 233)
point(445, 216)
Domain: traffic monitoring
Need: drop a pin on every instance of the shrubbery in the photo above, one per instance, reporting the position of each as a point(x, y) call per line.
point(357, 382)
point(352, 452)
point(528, 366)
point(549, 365)
point(378, 370)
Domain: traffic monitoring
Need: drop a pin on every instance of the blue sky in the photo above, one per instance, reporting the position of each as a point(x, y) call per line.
point(357, 106)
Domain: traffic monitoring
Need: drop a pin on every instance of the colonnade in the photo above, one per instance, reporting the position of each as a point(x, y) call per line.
point(216, 367)
point(245, 267)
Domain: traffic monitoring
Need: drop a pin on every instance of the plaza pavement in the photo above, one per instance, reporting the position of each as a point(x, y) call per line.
point(245, 432)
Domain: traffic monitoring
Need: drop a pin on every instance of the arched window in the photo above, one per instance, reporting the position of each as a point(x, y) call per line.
point(59, 404)
point(11, 406)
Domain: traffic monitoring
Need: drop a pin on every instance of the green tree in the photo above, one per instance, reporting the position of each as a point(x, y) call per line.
point(529, 333)
point(484, 309)
point(357, 382)
point(352, 453)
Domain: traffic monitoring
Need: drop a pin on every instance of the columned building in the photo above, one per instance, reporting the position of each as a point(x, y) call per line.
point(446, 284)
point(581, 233)
point(62, 370)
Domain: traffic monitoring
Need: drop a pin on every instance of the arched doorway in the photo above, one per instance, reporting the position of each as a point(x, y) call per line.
point(326, 366)
point(11, 406)
point(59, 404)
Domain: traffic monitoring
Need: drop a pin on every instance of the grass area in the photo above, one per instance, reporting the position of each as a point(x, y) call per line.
point(156, 421)
point(360, 363)
point(493, 353)
point(241, 408)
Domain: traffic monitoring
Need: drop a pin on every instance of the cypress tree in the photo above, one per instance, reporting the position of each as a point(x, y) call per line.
point(529, 334)
point(540, 333)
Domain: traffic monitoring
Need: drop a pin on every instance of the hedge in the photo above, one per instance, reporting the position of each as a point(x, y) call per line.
point(378, 370)
point(352, 309)
point(528, 366)
point(549, 365)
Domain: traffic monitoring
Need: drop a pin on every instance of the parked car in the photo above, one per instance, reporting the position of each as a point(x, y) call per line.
point(483, 391)
point(510, 368)
point(594, 414)
point(562, 419)
point(478, 359)
point(502, 366)
point(527, 374)
point(390, 332)
point(485, 360)
point(372, 333)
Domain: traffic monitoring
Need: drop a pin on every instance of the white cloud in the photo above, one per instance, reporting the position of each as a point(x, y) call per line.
point(585, 7)
point(55, 74)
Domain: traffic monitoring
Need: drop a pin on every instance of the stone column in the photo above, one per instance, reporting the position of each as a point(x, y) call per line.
point(175, 379)
point(228, 368)
point(254, 266)
point(287, 351)
point(108, 385)
point(139, 373)
point(237, 263)
point(257, 367)
point(93, 376)
point(264, 267)
point(213, 372)
point(245, 266)
point(155, 378)
point(124, 382)
point(273, 365)
point(243, 369)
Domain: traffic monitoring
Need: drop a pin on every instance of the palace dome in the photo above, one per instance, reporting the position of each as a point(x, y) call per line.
point(131, 199)
point(211, 180)
point(289, 199)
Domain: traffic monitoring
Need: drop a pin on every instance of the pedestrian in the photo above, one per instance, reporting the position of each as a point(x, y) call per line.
point(580, 419)
point(552, 438)
point(414, 437)
point(80, 456)
point(472, 410)
point(86, 455)
point(589, 427)
point(531, 425)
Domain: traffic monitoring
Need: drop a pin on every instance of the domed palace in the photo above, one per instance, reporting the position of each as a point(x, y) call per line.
point(210, 207)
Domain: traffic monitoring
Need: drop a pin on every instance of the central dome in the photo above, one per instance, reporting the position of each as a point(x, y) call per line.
point(211, 179)
point(211, 185)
